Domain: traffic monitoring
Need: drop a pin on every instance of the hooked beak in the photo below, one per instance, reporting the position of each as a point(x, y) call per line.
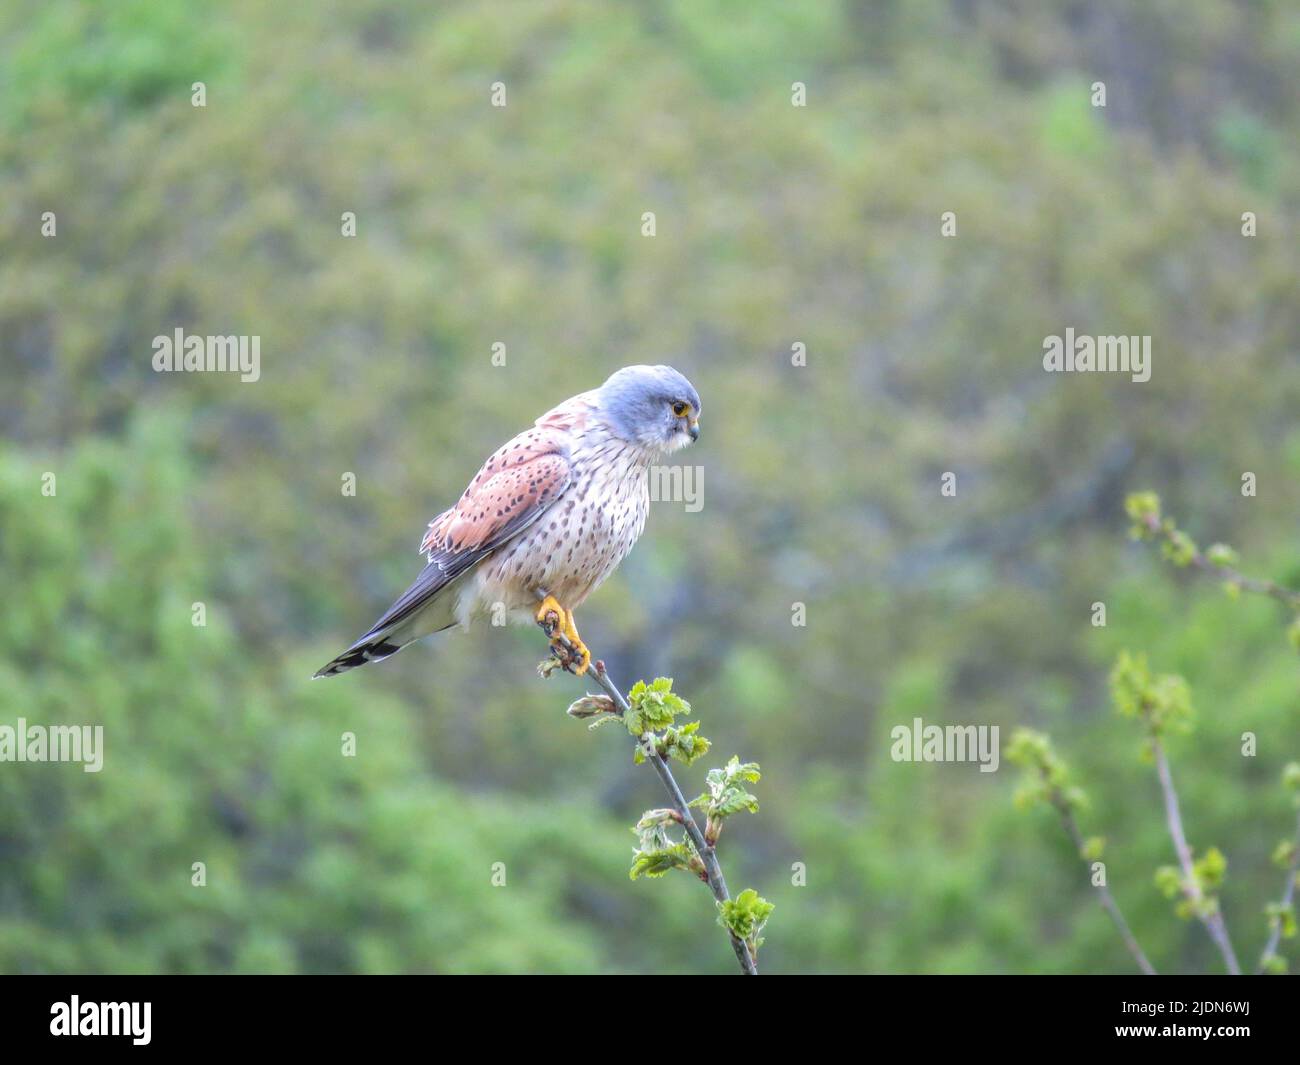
point(694, 429)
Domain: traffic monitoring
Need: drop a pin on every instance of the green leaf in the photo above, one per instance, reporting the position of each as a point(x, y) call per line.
point(1142, 508)
point(1221, 555)
point(660, 862)
point(684, 743)
point(745, 916)
point(1161, 702)
point(653, 706)
point(661, 816)
point(1169, 882)
point(733, 800)
point(1291, 776)
point(1028, 748)
point(1282, 918)
point(1047, 778)
point(1093, 848)
point(725, 795)
point(1179, 548)
point(1210, 868)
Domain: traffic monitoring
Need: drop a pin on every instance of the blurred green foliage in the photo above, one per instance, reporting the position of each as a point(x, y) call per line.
point(776, 225)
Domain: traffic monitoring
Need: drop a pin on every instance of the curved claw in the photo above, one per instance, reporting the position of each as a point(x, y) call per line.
point(551, 616)
point(566, 644)
point(579, 648)
point(584, 658)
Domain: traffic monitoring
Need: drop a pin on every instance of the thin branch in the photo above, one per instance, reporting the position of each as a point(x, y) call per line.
point(1214, 923)
point(1231, 576)
point(1107, 899)
point(1288, 895)
point(708, 855)
point(1184, 549)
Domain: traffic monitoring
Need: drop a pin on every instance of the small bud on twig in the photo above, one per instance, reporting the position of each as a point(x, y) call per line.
point(591, 705)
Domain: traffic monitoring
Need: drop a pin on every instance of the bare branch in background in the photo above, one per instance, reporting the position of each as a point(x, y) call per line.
point(1107, 899)
point(1049, 782)
point(1206, 910)
point(1284, 910)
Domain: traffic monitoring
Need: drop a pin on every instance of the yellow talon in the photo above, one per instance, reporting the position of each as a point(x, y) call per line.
point(558, 625)
point(551, 605)
point(584, 656)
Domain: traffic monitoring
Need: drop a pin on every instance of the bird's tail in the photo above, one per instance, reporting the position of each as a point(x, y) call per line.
point(367, 649)
point(426, 607)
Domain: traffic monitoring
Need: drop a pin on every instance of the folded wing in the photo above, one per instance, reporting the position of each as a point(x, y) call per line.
point(512, 490)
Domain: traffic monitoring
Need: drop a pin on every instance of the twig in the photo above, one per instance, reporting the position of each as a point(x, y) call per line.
point(1270, 948)
point(708, 855)
point(713, 870)
point(1214, 923)
point(1182, 549)
point(1107, 899)
point(1234, 577)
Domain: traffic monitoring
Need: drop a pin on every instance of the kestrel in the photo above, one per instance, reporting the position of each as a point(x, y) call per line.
point(549, 516)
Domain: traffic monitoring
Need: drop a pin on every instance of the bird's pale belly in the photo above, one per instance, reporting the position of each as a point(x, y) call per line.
point(567, 553)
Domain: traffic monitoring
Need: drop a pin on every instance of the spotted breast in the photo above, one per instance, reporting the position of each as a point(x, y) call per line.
point(582, 536)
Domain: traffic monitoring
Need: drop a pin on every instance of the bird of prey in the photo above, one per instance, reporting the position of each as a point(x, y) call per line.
point(549, 516)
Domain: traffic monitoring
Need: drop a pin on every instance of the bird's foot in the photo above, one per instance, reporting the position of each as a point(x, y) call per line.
point(578, 647)
point(551, 616)
point(566, 644)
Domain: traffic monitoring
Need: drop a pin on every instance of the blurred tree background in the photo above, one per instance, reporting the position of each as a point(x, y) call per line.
point(775, 225)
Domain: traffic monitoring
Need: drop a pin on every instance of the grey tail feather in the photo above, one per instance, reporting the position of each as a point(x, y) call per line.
point(367, 649)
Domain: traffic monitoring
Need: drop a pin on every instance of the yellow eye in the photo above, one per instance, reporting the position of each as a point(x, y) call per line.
point(680, 408)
